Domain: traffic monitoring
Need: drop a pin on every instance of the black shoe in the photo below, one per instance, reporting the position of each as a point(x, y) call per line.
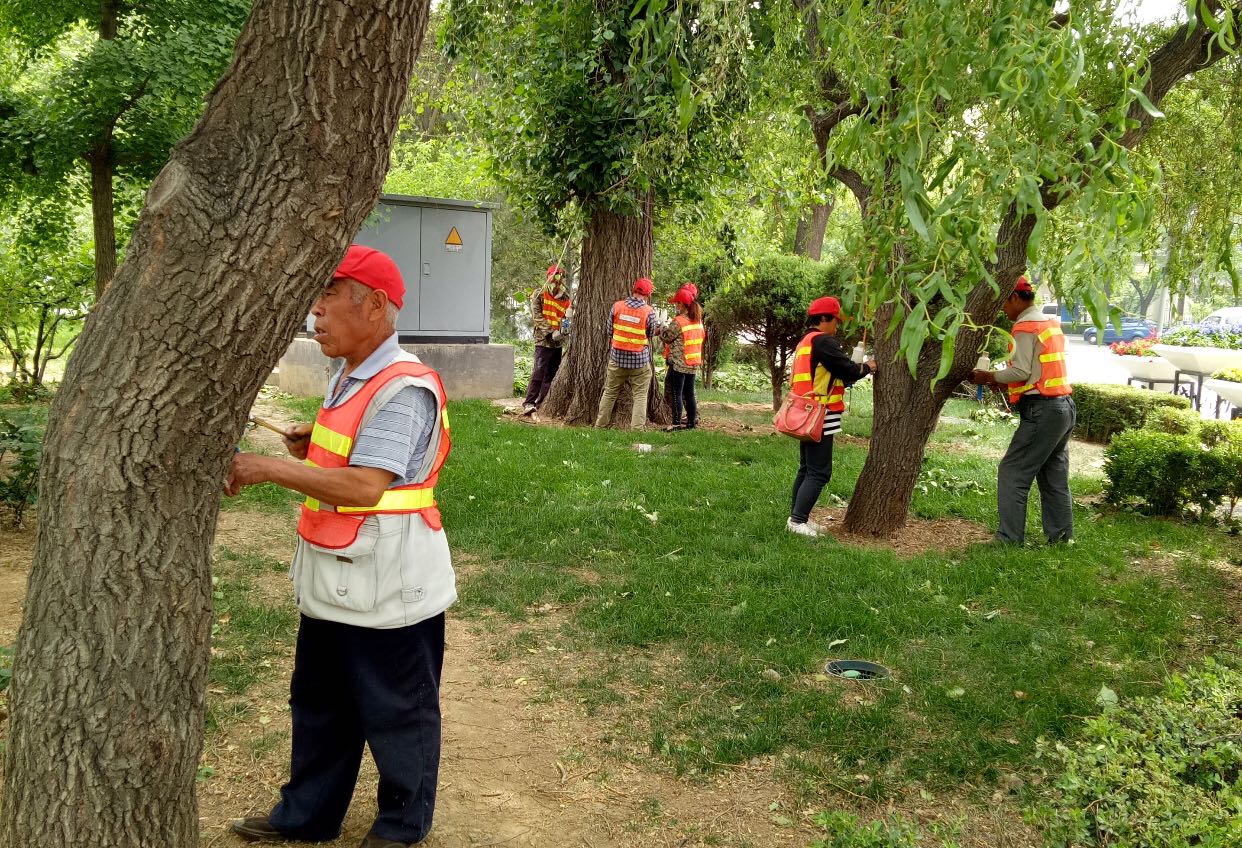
point(257, 829)
point(373, 841)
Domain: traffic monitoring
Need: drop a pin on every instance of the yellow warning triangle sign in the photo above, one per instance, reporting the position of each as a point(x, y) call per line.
point(453, 237)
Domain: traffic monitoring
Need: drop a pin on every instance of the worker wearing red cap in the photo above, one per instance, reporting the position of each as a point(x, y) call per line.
point(820, 369)
point(683, 351)
point(1039, 387)
point(548, 308)
point(629, 359)
point(372, 573)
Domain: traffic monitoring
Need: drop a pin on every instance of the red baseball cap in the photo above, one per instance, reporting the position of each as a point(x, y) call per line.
point(1023, 285)
point(554, 269)
point(643, 286)
point(374, 270)
point(687, 294)
point(825, 306)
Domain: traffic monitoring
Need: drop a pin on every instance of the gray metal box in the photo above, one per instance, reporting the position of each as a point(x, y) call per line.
point(444, 251)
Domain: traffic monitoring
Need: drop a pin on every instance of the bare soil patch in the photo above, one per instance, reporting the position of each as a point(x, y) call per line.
point(919, 536)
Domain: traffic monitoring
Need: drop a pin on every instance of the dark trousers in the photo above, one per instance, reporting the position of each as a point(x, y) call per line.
point(353, 685)
point(680, 390)
point(814, 472)
point(547, 363)
point(1039, 452)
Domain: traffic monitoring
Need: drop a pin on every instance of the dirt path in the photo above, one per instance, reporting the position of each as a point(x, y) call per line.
point(522, 765)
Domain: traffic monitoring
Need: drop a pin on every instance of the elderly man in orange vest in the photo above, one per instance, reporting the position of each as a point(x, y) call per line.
point(629, 360)
point(372, 575)
point(1039, 388)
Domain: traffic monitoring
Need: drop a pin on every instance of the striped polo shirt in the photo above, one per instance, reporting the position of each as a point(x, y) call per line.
point(397, 437)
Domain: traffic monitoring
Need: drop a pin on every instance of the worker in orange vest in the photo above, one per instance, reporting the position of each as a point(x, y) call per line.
point(1039, 387)
point(821, 369)
point(547, 308)
point(629, 359)
point(683, 351)
point(372, 573)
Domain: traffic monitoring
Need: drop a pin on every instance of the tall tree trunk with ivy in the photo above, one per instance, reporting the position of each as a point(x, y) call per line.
point(240, 232)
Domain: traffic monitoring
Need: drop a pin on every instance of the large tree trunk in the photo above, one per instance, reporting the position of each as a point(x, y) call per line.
point(240, 232)
point(809, 238)
point(103, 215)
point(615, 252)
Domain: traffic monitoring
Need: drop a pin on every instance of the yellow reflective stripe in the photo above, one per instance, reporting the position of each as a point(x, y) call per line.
point(1056, 381)
point(444, 417)
point(1051, 357)
point(800, 378)
point(397, 500)
point(311, 504)
point(636, 332)
point(805, 350)
point(331, 441)
point(1022, 389)
point(1049, 333)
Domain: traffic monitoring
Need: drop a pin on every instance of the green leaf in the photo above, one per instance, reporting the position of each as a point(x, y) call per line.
point(1147, 105)
point(915, 214)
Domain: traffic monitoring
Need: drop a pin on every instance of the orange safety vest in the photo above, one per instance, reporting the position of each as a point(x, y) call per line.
point(823, 386)
point(691, 341)
point(1053, 381)
point(554, 310)
point(331, 442)
point(629, 326)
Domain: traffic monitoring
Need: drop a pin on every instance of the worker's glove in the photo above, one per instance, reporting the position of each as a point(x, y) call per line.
point(556, 335)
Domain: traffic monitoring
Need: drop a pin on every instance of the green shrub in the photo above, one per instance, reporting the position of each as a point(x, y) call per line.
point(1104, 410)
point(1162, 771)
point(1232, 375)
point(21, 441)
point(1168, 472)
point(1214, 433)
point(1168, 419)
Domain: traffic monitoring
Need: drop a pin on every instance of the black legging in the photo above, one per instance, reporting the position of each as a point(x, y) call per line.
point(814, 472)
point(681, 389)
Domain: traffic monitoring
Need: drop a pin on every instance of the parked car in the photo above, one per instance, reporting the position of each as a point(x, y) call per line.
point(1230, 316)
point(1131, 329)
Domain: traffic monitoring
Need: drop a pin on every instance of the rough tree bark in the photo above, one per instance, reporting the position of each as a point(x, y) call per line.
point(616, 252)
point(99, 158)
point(906, 408)
point(240, 231)
point(103, 215)
point(809, 238)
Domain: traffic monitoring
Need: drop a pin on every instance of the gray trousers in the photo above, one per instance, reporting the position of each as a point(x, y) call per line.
point(1039, 452)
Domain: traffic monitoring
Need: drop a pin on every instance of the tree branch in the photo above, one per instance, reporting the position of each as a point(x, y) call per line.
point(852, 180)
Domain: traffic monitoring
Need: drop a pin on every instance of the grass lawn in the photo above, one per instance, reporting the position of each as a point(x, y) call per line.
point(694, 622)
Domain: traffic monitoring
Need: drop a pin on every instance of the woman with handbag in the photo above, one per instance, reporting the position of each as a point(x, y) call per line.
point(821, 370)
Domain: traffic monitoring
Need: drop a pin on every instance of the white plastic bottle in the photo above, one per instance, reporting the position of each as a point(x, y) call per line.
point(859, 354)
point(983, 363)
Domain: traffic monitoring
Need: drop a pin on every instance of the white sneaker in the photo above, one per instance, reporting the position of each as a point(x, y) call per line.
point(816, 526)
point(801, 529)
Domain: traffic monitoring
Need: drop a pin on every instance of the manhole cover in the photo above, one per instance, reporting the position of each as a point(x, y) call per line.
point(856, 670)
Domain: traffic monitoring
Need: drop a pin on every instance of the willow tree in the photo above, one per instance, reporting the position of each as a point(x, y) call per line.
point(959, 127)
point(606, 107)
point(240, 231)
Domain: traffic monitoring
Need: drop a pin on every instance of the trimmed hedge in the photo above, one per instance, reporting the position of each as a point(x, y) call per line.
point(1104, 410)
point(1169, 472)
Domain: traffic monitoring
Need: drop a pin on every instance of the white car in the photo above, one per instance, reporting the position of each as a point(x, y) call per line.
point(1229, 316)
